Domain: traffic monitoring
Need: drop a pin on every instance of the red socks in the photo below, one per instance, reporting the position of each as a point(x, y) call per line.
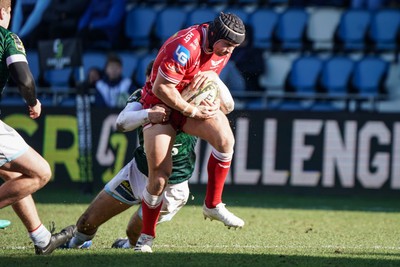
point(217, 172)
point(150, 217)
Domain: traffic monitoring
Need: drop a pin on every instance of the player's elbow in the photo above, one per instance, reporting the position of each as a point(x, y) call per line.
point(120, 123)
point(27, 84)
point(228, 107)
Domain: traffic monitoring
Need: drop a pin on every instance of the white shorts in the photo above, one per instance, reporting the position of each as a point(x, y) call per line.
point(12, 145)
point(128, 185)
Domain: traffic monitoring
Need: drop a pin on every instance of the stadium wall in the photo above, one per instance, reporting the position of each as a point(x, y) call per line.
point(319, 151)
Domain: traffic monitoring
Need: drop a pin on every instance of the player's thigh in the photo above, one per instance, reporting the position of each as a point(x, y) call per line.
point(17, 156)
point(102, 208)
point(30, 164)
point(158, 142)
point(216, 131)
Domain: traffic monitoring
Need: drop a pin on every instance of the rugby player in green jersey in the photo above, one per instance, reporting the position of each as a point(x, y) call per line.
point(125, 189)
point(22, 169)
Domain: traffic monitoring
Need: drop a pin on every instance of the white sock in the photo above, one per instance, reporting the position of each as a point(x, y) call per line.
point(151, 200)
point(78, 240)
point(40, 236)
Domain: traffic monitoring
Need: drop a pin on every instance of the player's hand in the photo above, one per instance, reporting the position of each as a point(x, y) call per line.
point(207, 110)
point(199, 80)
point(159, 113)
point(34, 111)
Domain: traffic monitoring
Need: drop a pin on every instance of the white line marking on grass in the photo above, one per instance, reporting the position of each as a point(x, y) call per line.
point(248, 247)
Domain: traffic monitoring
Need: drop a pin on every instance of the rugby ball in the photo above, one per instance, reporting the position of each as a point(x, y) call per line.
point(210, 92)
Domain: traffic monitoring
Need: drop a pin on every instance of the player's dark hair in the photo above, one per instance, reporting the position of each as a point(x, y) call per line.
point(228, 27)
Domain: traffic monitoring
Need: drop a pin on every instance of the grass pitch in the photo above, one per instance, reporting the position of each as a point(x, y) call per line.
point(281, 230)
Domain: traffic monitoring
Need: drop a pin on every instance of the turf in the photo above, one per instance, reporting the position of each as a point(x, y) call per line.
point(281, 230)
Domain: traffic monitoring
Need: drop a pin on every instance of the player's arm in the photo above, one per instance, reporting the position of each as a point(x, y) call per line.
point(133, 116)
point(167, 93)
point(22, 76)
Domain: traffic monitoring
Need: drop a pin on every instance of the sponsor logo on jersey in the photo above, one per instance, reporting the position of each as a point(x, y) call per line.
point(182, 55)
point(188, 37)
point(18, 43)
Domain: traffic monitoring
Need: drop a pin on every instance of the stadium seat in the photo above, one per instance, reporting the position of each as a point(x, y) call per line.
point(93, 59)
point(385, 29)
point(304, 74)
point(240, 12)
point(290, 29)
point(335, 75)
point(200, 15)
point(33, 60)
point(277, 67)
point(321, 28)
point(352, 29)
point(263, 22)
point(129, 63)
point(169, 21)
point(140, 74)
point(139, 24)
point(232, 77)
point(335, 79)
point(370, 75)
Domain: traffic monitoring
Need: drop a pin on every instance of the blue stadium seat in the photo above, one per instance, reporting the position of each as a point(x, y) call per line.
point(93, 59)
point(263, 22)
point(335, 79)
point(129, 63)
point(169, 21)
point(33, 60)
point(232, 78)
point(335, 75)
point(139, 24)
point(369, 76)
point(304, 74)
point(240, 12)
point(143, 61)
point(200, 15)
point(385, 29)
point(291, 27)
point(352, 29)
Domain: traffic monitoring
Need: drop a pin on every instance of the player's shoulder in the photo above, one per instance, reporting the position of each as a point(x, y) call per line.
point(135, 96)
point(189, 39)
point(11, 40)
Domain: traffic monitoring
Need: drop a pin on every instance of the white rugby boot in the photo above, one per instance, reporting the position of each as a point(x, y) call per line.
point(144, 243)
point(222, 214)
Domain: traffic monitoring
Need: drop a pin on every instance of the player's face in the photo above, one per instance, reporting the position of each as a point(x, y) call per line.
point(6, 15)
point(223, 47)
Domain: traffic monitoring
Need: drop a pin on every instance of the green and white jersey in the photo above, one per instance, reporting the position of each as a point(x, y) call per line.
point(183, 152)
point(11, 50)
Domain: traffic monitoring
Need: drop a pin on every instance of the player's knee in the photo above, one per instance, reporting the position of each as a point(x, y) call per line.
point(44, 175)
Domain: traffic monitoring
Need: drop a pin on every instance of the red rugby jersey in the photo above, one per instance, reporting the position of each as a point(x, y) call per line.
point(180, 58)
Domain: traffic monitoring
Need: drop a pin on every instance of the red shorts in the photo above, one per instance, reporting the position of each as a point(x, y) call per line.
point(176, 119)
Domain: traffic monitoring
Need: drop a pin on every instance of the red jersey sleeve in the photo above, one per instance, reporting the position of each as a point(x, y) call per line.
point(179, 56)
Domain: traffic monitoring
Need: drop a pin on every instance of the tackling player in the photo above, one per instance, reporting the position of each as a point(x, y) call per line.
point(23, 170)
point(125, 189)
point(186, 59)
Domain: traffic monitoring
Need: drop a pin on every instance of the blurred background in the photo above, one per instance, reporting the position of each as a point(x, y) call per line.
point(320, 74)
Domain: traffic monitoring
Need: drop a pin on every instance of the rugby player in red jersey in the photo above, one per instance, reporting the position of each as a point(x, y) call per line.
point(189, 58)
